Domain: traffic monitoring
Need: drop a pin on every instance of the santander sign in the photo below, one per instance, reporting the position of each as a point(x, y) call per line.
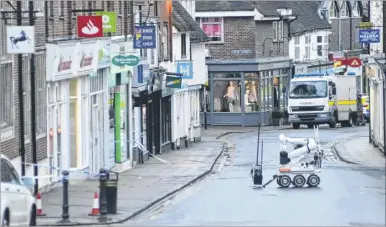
point(90, 26)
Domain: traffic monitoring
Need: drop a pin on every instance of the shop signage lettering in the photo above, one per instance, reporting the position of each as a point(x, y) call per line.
point(64, 65)
point(86, 61)
point(145, 37)
point(130, 60)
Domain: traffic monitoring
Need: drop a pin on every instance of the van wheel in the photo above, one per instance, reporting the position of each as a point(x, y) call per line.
point(296, 126)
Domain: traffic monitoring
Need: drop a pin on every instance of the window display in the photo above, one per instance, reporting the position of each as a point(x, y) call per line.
point(226, 96)
point(251, 94)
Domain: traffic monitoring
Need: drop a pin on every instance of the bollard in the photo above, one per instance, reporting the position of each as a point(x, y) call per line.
point(102, 195)
point(65, 206)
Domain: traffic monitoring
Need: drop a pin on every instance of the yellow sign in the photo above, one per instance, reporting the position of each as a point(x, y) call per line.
point(337, 64)
point(366, 24)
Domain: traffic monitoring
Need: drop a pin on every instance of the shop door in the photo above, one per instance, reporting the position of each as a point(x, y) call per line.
point(51, 142)
point(157, 122)
point(97, 154)
point(149, 126)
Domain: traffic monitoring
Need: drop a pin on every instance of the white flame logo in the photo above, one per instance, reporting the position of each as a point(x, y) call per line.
point(90, 29)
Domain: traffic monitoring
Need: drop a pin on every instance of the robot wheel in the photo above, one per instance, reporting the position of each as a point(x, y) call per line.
point(313, 181)
point(284, 181)
point(299, 181)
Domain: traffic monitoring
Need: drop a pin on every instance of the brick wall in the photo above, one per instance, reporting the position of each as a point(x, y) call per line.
point(10, 147)
point(244, 39)
point(239, 36)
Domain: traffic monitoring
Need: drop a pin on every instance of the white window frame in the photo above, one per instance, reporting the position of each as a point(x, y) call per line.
point(355, 10)
point(321, 43)
point(307, 47)
point(343, 11)
point(222, 28)
point(7, 132)
point(275, 34)
point(297, 47)
point(333, 11)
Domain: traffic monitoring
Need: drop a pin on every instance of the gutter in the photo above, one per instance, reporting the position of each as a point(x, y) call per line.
point(289, 27)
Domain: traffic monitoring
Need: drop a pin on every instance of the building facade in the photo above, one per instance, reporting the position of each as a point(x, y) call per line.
point(9, 83)
point(249, 69)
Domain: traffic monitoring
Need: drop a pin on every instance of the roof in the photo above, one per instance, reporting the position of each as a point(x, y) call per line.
point(211, 6)
point(183, 22)
point(308, 17)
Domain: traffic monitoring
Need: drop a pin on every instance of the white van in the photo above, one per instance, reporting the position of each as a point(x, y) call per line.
point(18, 207)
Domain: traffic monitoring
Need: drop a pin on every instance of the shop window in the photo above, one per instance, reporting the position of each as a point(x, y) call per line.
point(251, 96)
point(73, 133)
point(6, 100)
point(227, 96)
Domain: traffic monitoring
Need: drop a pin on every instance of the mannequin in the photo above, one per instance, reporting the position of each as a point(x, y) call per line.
point(252, 92)
point(248, 105)
point(232, 96)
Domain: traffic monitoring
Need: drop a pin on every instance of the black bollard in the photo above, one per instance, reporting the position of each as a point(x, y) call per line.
point(65, 206)
point(102, 194)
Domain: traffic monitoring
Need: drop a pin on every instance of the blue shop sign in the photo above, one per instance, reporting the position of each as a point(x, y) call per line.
point(369, 36)
point(186, 68)
point(327, 71)
point(145, 37)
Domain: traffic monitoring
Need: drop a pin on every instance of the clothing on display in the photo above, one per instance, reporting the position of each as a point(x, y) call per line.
point(233, 98)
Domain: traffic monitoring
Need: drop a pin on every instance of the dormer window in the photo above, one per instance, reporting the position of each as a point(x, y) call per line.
point(343, 9)
point(356, 10)
point(333, 10)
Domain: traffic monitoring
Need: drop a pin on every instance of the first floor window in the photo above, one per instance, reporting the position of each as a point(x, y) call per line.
point(6, 97)
point(213, 28)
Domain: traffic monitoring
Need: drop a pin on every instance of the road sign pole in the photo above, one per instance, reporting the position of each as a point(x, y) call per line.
point(20, 96)
point(33, 105)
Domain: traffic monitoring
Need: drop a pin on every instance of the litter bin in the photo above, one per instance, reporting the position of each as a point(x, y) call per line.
point(112, 192)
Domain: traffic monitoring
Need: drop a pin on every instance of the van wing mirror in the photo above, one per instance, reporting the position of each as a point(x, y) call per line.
point(334, 90)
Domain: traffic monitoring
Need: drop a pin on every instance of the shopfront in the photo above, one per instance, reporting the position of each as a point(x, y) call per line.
point(186, 116)
point(140, 95)
point(69, 88)
point(246, 92)
point(123, 60)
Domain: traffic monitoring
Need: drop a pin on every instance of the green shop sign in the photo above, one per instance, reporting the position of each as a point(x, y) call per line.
point(129, 60)
point(173, 82)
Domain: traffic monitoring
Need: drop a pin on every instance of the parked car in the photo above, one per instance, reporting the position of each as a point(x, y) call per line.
point(18, 206)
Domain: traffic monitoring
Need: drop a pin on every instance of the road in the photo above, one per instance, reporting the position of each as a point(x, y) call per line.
point(348, 195)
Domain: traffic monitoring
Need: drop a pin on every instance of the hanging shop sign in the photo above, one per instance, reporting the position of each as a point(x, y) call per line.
point(90, 26)
point(145, 37)
point(20, 39)
point(173, 82)
point(123, 57)
point(369, 35)
point(185, 68)
point(104, 53)
point(109, 21)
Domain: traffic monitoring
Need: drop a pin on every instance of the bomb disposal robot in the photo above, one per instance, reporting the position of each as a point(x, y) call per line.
point(302, 165)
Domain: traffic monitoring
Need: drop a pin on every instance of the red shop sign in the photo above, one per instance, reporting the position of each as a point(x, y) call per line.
point(90, 26)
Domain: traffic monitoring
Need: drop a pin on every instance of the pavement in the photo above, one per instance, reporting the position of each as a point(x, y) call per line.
point(143, 186)
point(349, 194)
point(359, 151)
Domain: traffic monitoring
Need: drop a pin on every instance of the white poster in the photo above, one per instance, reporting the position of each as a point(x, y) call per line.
point(20, 39)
